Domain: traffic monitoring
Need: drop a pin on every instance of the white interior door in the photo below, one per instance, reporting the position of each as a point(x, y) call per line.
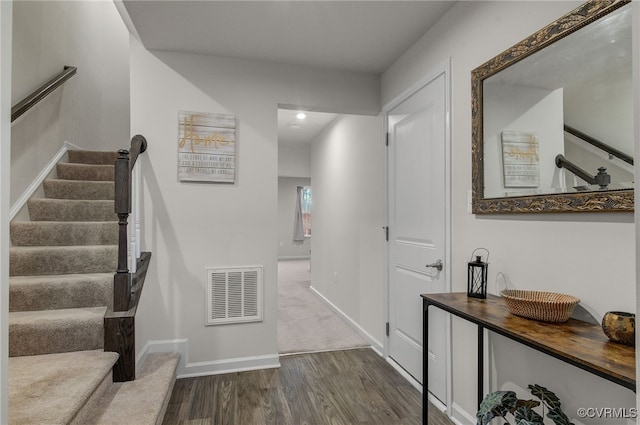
point(417, 229)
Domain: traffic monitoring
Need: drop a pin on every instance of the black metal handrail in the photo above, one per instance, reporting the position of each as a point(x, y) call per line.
point(602, 178)
point(600, 145)
point(41, 92)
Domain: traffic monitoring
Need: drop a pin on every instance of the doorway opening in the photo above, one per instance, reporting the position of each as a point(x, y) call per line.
point(311, 312)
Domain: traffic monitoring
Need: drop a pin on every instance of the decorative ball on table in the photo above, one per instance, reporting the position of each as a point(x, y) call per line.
point(620, 327)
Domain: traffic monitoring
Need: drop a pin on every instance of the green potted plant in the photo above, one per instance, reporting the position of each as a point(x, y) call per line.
point(499, 404)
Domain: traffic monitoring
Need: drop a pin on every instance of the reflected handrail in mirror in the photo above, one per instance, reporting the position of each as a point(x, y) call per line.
point(519, 106)
point(598, 144)
point(602, 179)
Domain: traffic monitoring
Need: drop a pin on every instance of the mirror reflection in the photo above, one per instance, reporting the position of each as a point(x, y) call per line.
point(560, 120)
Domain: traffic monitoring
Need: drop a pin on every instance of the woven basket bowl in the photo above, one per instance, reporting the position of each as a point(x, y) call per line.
point(538, 305)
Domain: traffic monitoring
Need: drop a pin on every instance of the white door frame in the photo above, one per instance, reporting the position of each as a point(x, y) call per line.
point(443, 68)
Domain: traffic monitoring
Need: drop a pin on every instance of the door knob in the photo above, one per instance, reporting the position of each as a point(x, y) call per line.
point(437, 265)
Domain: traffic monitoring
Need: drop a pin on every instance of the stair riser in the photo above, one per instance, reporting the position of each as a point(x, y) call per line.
point(71, 210)
point(62, 233)
point(70, 171)
point(53, 337)
point(92, 157)
point(46, 261)
point(96, 403)
point(54, 295)
point(78, 189)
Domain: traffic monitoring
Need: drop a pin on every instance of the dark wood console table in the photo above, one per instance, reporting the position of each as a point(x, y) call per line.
point(581, 344)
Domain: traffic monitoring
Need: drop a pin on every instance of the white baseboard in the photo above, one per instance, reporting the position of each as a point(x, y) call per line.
point(401, 371)
point(435, 402)
point(216, 367)
point(294, 257)
point(460, 417)
point(375, 344)
point(37, 182)
point(239, 364)
point(179, 346)
point(378, 350)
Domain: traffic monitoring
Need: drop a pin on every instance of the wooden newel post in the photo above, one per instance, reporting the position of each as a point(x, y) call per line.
point(122, 278)
point(119, 324)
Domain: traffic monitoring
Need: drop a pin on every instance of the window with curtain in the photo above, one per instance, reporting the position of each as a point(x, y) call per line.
point(302, 223)
point(306, 211)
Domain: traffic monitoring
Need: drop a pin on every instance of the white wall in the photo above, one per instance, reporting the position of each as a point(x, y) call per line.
point(591, 256)
point(189, 226)
point(294, 160)
point(525, 109)
point(294, 169)
point(5, 155)
point(347, 264)
point(91, 110)
point(602, 108)
point(287, 199)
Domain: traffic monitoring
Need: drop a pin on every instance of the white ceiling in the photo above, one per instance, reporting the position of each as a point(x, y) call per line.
point(364, 36)
point(292, 130)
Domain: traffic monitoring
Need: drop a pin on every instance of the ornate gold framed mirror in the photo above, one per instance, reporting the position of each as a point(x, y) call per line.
point(535, 104)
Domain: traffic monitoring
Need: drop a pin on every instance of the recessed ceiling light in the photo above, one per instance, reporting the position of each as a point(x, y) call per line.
point(301, 115)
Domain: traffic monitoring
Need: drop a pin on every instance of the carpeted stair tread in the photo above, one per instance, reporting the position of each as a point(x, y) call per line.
point(93, 157)
point(46, 260)
point(44, 209)
point(64, 233)
point(50, 389)
point(78, 189)
point(143, 401)
point(63, 291)
point(71, 171)
point(61, 270)
point(55, 331)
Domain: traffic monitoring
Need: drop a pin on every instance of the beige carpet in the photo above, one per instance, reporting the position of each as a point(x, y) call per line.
point(57, 298)
point(62, 263)
point(143, 401)
point(305, 322)
point(50, 389)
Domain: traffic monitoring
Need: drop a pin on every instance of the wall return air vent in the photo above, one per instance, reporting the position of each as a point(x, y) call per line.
point(234, 295)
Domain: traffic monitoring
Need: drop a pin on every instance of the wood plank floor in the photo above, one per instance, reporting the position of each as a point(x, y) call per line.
point(353, 387)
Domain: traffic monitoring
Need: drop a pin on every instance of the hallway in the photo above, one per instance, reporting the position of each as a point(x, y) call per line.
point(305, 322)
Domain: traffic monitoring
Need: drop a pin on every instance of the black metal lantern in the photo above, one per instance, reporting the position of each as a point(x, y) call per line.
point(477, 275)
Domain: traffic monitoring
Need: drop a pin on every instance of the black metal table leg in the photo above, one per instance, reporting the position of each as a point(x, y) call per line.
point(480, 364)
point(425, 363)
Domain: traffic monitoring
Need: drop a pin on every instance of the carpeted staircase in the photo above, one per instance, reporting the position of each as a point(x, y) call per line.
point(62, 263)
